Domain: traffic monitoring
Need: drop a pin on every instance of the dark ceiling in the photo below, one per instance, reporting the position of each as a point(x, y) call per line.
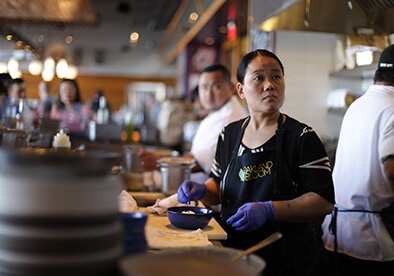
point(106, 23)
point(153, 14)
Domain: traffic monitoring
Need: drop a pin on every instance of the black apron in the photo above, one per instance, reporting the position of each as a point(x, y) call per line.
point(262, 176)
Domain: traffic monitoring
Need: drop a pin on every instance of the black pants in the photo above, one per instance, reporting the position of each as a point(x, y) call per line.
point(343, 265)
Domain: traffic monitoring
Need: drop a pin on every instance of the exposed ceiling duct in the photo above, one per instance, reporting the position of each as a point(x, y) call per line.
point(61, 12)
point(349, 17)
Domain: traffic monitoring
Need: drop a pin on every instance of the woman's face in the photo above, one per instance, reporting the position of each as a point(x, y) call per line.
point(264, 85)
point(67, 92)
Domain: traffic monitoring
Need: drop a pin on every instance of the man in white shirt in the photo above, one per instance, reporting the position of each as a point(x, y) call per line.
point(217, 96)
point(357, 239)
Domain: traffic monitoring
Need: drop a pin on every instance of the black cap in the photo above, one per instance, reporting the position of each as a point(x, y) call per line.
point(386, 61)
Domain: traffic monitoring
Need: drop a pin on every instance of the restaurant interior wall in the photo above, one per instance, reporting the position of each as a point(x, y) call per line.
point(308, 58)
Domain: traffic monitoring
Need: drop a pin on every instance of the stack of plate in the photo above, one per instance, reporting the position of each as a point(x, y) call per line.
point(58, 225)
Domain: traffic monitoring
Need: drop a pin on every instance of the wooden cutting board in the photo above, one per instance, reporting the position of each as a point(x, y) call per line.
point(213, 229)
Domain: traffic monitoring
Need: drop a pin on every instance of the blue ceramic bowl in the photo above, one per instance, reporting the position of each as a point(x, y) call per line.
point(189, 217)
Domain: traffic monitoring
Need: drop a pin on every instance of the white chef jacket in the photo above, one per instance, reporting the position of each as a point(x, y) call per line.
point(367, 135)
point(204, 142)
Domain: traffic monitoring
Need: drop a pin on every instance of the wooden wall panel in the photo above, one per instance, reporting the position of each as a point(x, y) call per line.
point(114, 88)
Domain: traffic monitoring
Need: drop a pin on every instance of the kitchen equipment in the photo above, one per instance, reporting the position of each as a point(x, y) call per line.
point(132, 169)
point(12, 138)
point(145, 199)
point(267, 241)
point(104, 132)
point(47, 129)
point(174, 170)
point(192, 261)
point(189, 217)
point(58, 212)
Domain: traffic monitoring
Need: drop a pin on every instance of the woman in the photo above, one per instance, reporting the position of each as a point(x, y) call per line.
point(69, 108)
point(270, 173)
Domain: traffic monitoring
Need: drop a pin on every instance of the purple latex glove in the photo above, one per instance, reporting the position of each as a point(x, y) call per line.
point(251, 216)
point(190, 190)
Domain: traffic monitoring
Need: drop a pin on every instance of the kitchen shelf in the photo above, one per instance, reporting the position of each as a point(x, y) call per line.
point(359, 72)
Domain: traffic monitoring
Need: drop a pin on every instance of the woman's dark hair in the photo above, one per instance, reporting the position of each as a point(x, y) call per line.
point(243, 64)
point(77, 94)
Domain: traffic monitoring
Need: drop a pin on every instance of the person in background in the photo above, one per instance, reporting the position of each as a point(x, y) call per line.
point(70, 109)
point(46, 100)
point(217, 96)
point(14, 106)
point(355, 235)
point(16, 90)
point(4, 78)
point(271, 173)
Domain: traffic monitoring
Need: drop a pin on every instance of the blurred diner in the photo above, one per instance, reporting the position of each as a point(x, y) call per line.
point(4, 79)
point(15, 112)
point(70, 109)
point(46, 100)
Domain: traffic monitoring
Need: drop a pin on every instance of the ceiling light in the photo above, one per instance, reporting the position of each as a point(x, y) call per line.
point(62, 68)
point(47, 74)
point(69, 39)
point(134, 36)
point(193, 17)
point(209, 41)
point(3, 67)
point(49, 63)
point(72, 72)
point(40, 38)
point(35, 67)
point(13, 65)
point(19, 43)
point(223, 29)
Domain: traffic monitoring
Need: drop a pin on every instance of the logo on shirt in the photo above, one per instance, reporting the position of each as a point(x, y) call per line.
point(248, 173)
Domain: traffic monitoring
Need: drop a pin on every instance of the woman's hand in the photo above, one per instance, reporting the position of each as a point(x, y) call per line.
point(251, 216)
point(190, 191)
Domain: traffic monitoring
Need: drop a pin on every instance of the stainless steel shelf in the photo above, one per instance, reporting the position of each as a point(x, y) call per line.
point(359, 72)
